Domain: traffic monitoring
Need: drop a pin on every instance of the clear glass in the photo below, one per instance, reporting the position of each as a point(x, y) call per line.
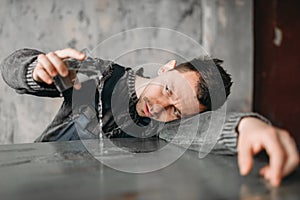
point(79, 72)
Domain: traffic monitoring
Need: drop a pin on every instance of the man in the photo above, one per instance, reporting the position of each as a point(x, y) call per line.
point(172, 95)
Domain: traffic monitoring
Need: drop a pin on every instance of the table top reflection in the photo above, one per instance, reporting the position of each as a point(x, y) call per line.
point(72, 170)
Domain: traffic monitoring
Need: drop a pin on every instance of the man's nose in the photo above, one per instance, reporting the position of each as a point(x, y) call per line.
point(160, 106)
point(156, 109)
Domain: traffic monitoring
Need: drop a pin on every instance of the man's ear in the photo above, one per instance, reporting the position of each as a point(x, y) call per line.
point(170, 65)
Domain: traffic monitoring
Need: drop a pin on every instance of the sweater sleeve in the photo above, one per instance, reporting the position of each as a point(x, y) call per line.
point(206, 134)
point(227, 139)
point(16, 70)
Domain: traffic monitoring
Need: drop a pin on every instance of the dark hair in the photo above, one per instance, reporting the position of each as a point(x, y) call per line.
point(213, 79)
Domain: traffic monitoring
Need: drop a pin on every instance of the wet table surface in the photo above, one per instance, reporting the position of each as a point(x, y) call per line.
point(72, 170)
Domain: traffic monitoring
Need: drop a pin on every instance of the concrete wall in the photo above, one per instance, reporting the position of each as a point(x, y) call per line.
point(223, 27)
point(227, 34)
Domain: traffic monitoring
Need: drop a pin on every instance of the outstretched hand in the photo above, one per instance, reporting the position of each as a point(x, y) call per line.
point(255, 136)
point(51, 64)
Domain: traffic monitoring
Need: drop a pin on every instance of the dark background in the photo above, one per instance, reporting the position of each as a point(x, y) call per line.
point(277, 62)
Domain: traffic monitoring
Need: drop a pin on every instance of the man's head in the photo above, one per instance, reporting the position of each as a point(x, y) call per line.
point(183, 90)
point(212, 76)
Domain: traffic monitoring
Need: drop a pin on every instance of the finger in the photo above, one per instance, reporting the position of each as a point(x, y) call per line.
point(47, 65)
point(292, 154)
point(42, 74)
point(276, 155)
point(58, 64)
point(245, 158)
point(34, 73)
point(266, 172)
point(70, 53)
point(263, 170)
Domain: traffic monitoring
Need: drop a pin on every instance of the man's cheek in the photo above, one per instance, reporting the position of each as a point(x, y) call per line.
point(164, 116)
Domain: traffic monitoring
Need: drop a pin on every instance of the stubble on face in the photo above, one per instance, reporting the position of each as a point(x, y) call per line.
point(183, 85)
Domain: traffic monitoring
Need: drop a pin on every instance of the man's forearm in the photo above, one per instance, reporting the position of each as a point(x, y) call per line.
point(206, 140)
point(17, 69)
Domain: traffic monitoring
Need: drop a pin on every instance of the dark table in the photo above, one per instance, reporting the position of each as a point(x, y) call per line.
point(66, 170)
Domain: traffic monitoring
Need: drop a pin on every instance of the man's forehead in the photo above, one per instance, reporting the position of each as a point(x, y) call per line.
point(185, 89)
point(184, 82)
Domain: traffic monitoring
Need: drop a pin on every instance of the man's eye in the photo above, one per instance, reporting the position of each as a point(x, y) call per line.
point(168, 90)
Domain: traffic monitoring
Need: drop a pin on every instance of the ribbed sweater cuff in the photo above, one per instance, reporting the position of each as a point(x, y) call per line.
point(32, 84)
point(229, 135)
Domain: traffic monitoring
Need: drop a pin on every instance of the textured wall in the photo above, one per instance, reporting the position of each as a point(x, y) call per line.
point(228, 35)
point(51, 25)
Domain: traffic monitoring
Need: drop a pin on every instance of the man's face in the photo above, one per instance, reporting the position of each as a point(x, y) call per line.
point(170, 96)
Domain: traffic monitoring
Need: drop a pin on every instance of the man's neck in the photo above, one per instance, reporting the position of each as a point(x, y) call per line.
point(140, 84)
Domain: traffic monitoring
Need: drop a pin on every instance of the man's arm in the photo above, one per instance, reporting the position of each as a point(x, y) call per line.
point(31, 71)
point(242, 133)
point(213, 134)
point(228, 138)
